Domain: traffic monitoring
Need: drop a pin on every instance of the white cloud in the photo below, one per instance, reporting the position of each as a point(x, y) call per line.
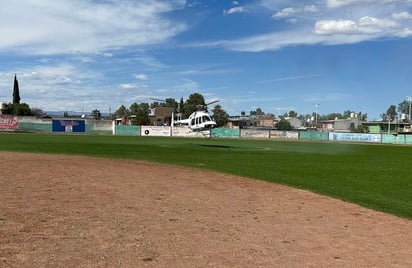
point(327, 33)
point(406, 32)
point(402, 16)
point(286, 12)
point(141, 76)
point(365, 25)
point(291, 11)
point(324, 27)
point(133, 86)
point(368, 21)
point(234, 10)
point(53, 27)
point(128, 86)
point(342, 3)
point(310, 9)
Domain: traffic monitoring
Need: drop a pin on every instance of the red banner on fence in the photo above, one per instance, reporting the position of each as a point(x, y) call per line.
point(9, 122)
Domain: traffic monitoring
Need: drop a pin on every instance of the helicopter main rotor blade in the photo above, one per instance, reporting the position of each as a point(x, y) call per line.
point(211, 102)
point(158, 100)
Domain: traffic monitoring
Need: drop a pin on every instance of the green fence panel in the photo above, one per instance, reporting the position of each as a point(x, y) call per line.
point(408, 139)
point(388, 138)
point(35, 127)
point(127, 130)
point(396, 139)
point(225, 133)
point(313, 135)
point(95, 129)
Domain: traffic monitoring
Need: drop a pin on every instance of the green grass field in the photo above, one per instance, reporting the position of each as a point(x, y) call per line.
point(374, 176)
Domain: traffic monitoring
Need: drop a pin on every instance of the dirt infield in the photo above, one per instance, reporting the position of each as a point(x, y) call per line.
point(68, 211)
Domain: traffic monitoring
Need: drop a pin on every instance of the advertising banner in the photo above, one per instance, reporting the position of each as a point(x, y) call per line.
point(159, 131)
point(355, 137)
point(9, 122)
point(69, 126)
point(254, 133)
point(288, 135)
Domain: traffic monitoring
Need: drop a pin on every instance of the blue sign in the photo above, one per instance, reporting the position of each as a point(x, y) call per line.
point(69, 126)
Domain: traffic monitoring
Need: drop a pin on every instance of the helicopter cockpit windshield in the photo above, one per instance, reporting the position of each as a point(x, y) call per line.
point(206, 118)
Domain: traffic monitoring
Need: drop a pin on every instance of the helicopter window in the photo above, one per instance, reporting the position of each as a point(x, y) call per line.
point(193, 121)
point(205, 118)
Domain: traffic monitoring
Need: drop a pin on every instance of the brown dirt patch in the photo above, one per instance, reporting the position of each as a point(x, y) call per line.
point(68, 211)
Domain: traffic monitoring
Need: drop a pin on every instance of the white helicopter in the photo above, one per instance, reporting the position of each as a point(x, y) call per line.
point(199, 120)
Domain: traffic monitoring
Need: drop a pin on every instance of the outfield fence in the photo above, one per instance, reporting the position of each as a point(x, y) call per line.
point(106, 127)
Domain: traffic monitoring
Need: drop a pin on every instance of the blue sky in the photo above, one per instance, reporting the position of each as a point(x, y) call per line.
point(277, 55)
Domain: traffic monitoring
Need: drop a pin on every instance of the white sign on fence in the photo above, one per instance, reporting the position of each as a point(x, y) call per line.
point(158, 131)
point(289, 135)
point(355, 137)
point(254, 133)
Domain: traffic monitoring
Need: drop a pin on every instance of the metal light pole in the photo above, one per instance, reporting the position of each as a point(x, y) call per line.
point(408, 98)
point(316, 114)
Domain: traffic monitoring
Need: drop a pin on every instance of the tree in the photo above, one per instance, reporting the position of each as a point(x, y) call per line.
point(16, 91)
point(144, 106)
point(38, 112)
point(134, 108)
point(242, 113)
point(220, 115)
point(193, 103)
point(347, 113)
point(391, 112)
point(96, 114)
point(154, 104)
point(142, 117)
point(170, 102)
point(363, 117)
point(258, 111)
point(293, 114)
point(284, 125)
point(8, 108)
point(361, 129)
point(181, 107)
point(21, 109)
point(333, 116)
point(122, 111)
point(403, 107)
